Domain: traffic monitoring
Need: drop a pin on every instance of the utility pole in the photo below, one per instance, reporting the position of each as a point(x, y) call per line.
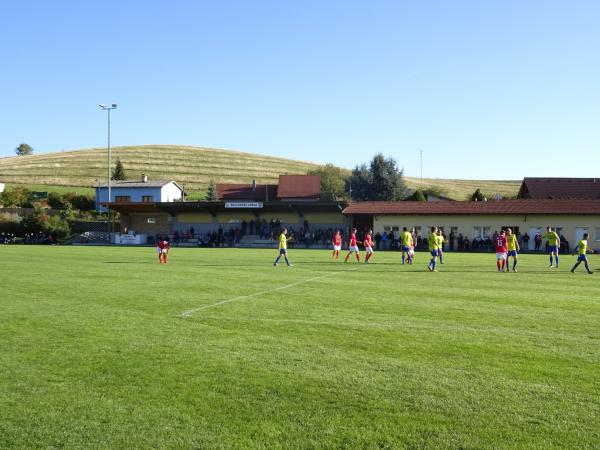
point(421, 157)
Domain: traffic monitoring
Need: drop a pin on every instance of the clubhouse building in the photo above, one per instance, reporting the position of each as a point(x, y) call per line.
point(570, 205)
point(294, 203)
point(479, 220)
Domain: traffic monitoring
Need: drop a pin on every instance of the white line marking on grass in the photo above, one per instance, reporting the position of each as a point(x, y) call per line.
point(190, 312)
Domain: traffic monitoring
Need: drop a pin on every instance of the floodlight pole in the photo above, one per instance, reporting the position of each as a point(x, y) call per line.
point(108, 109)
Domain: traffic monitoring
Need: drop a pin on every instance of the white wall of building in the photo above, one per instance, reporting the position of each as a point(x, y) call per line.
point(170, 193)
point(474, 226)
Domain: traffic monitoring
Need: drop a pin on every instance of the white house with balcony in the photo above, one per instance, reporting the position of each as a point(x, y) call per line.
point(138, 191)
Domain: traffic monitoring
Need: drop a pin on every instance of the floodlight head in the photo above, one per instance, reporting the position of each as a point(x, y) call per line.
point(102, 105)
point(114, 105)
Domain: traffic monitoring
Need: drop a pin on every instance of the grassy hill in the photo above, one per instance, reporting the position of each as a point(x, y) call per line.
point(192, 167)
point(462, 189)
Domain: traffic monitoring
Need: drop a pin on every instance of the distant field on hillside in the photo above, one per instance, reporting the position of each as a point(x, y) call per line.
point(463, 189)
point(55, 188)
point(192, 167)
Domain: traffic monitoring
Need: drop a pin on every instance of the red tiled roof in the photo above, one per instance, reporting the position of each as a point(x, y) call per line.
point(263, 192)
point(560, 188)
point(299, 186)
point(530, 206)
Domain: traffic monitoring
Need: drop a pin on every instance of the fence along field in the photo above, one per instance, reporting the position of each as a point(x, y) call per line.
point(194, 167)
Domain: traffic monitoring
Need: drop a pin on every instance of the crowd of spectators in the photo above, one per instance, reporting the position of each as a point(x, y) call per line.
point(7, 238)
point(40, 237)
point(308, 236)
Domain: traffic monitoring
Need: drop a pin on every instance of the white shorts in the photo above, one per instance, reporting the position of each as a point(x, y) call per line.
point(369, 250)
point(353, 248)
point(500, 255)
point(337, 247)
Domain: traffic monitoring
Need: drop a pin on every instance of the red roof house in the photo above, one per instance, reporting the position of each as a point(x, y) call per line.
point(560, 188)
point(525, 207)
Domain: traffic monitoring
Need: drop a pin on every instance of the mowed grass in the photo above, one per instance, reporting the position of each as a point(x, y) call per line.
point(193, 168)
point(464, 189)
point(105, 348)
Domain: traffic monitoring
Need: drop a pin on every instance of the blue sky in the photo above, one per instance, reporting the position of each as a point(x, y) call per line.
point(487, 89)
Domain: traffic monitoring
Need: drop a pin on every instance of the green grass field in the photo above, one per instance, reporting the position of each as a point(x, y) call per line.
point(105, 348)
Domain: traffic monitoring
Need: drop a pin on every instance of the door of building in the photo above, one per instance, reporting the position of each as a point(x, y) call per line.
point(532, 232)
point(362, 222)
point(579, 232)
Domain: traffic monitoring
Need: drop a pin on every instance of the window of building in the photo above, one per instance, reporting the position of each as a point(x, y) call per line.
point(481, 232)
point(147, 198)
point(151, 220)
point(123, 199)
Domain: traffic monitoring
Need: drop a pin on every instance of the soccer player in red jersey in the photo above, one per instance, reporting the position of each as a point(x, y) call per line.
point(337, 244)
point(368, 243)
point(162, 248)
point(353, 247)
point(501, 250)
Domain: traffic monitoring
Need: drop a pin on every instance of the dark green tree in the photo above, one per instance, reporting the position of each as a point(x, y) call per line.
point(211, 192)
point(387, 183)
point(358, 184)
point(381, 180)
point(477, 196)
point(417, 196)
point(333, 182)
point(24, 149)
point(119, 171)
point(56, 200)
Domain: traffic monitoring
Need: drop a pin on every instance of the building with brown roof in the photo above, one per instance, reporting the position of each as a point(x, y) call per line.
point(537, 188)
point(246, 192)
point(479, 220)
point(299, 187)
point(289, 188)
point(294, 202)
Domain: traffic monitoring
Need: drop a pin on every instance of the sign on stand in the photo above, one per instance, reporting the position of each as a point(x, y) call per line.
point(243, 204)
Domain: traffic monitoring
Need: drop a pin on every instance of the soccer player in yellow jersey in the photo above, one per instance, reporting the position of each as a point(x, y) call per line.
point(406, 239)
point(512, 244)
point(441, 240)
point(582, 249)
point(283, 248)
point(553, 245)
point(432, 241)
